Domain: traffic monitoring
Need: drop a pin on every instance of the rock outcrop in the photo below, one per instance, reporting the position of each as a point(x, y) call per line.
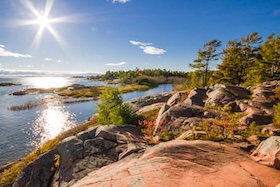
point(187, 164)
point(268, 152)
point(81, 154)
point(141, 102)
point(220, 94)
point(213, 102)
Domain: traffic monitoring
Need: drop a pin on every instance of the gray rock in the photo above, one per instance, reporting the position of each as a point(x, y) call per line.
point(39, 172)
point(165, 121)
point(138, 103)
point(268, 152)
point(232, 106)
point(184, 110)
point(219, 97)
point(196, 97)
point(221, 94)
point(248, 109)
point(160, 117)
point(257, 118)
point(98, 145)
point(176, 98)
point(81, 154)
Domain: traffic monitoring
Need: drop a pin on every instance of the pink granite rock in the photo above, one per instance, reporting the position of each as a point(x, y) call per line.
point(268, 152)
point(184, 164)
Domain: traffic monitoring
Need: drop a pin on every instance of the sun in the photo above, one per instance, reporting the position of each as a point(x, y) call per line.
point(43, 21)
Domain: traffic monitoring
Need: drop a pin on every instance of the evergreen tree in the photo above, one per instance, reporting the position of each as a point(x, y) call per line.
point(112, 110)
point(204, 57)
point(270, 52)
point(110, 105)
point(238, 59)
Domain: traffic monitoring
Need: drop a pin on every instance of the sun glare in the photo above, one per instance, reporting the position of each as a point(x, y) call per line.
point(43, 21)
point(50, 122)
point(47, 82)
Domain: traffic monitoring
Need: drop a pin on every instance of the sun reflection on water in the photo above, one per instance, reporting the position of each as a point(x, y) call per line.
point(47, 82)
point(51, 122)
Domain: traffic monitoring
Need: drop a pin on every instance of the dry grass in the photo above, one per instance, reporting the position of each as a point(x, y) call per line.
point(92, 91)
point(133, 87)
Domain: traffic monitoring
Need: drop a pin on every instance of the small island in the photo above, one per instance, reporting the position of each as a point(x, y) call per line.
point(9, 84)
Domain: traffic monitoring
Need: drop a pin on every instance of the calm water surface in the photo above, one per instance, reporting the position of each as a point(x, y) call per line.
point(22, 131)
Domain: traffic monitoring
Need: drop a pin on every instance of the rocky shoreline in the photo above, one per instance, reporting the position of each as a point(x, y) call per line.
point(122, 155)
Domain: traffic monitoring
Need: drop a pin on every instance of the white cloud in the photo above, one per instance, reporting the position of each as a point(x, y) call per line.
point(121, 1)
point(48, 59)
point(152, 50)
point(59, 60)
point(148, 48)
point(116, 64)
point(4, 52)
point(139, 43)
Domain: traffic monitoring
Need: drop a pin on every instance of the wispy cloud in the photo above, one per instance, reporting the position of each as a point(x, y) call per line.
point(120, 1)
point(148, 48)
point(4, 52)
point(116, 64)
point(53, 60)
point(48, 59)
point(139, 43)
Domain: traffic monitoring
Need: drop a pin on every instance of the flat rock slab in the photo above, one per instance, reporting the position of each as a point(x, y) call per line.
point(184, 163)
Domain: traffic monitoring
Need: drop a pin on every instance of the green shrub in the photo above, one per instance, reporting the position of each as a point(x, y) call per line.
point(112, 110)
point(146, 80)
point(276, 116)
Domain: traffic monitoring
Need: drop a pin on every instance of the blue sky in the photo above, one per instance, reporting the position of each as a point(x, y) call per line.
point(101, 35)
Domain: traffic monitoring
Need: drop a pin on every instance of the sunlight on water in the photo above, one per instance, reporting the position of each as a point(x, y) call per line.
point(51, 122)
point(47, 82)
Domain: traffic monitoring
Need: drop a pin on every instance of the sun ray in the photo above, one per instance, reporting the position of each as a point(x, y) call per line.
point(49, 5)
point(44, 21)
point(30, 7)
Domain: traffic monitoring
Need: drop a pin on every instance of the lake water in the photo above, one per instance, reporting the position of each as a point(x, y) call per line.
point(22, 131)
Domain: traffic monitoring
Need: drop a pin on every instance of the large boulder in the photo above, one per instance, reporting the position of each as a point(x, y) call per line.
point(221, 94)
point(196, 97)
point(266, 89)
point(262, 96)
point(39, 172)
point(149, 100)
point(268, 152)
point(149, 108)
point(184, 164)
point(259, 119)
point(175, 99)
point(167, 116)
point(248, 109)
point(219, 97)
point(81, 154)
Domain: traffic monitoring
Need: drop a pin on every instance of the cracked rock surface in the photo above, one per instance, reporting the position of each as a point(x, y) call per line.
point(184, 163)
point(81, 154)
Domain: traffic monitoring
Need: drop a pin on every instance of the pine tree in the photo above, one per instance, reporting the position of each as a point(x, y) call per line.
point(238, 59)
point(270, 52)
point(204, 57)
